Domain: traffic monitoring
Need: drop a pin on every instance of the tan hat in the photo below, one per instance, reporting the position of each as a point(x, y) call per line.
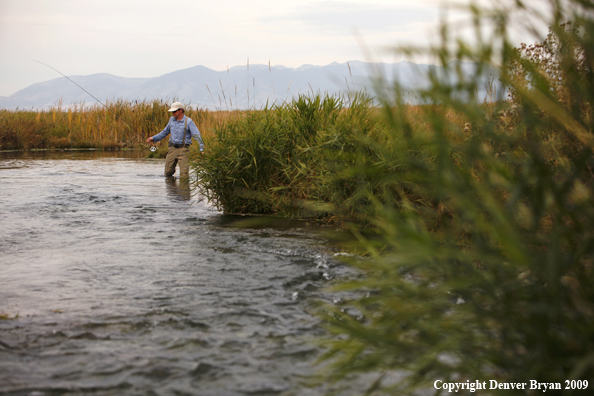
point(177, 105)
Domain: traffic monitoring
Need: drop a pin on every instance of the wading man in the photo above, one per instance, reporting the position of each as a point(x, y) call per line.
point(181, 130)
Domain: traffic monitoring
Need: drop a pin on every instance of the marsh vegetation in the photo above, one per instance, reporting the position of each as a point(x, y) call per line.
point(474, 218)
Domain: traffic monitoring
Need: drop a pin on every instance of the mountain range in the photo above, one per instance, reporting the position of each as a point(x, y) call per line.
point(238, 87)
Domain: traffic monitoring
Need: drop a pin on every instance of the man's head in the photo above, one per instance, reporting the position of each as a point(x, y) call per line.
point(177, 109)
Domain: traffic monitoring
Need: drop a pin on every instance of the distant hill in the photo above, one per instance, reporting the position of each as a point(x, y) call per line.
point(202, 87)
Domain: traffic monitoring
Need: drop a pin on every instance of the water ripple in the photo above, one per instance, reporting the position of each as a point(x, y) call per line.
point(121, 287)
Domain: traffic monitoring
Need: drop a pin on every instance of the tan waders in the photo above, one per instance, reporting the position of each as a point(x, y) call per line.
point(177, 156)
point(178, 153)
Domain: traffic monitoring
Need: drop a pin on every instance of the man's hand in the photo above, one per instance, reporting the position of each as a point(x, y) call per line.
point(149, 140)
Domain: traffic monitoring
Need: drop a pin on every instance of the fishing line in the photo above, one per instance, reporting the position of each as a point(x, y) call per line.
point(153, 148)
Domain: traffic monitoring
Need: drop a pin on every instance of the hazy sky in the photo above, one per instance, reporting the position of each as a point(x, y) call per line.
point(148, 38)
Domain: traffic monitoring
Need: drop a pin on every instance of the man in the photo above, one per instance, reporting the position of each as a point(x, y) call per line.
point(181, 130)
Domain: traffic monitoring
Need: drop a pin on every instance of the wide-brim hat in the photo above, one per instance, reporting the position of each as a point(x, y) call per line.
point(176, 106)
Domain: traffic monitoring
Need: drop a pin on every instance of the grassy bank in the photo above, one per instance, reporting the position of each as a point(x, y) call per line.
point(284, 160)
point(319, 157)
point(120, 125)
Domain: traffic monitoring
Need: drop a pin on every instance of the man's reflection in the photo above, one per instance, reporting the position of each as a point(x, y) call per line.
point(178, 189)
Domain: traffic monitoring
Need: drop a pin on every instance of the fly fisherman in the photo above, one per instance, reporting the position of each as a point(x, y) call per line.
point(181, 130)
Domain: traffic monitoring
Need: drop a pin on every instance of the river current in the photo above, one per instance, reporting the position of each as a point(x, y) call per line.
point(114, 281)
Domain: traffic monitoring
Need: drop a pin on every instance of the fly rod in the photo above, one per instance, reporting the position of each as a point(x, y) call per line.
point(153, 148)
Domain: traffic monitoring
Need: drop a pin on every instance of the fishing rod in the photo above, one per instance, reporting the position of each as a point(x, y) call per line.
point(153, 147)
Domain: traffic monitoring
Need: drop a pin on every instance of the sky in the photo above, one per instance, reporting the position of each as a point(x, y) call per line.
point(149, 38)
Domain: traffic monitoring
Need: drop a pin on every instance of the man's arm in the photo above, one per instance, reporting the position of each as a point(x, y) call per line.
point(196, 134)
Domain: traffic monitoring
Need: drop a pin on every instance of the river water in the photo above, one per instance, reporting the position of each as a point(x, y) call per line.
point(113, 281)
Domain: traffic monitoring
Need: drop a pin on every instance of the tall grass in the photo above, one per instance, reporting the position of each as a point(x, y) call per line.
point(122, 124)
point(482, 264)
point(502, 286)
point(290, 159)
point(314, 157)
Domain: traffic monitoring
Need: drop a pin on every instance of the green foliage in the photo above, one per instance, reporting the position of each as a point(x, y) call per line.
point(295, 159)
point(481, 266)
point(502, 286)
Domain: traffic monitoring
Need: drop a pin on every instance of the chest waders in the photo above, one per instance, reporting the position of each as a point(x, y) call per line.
point(178, 155)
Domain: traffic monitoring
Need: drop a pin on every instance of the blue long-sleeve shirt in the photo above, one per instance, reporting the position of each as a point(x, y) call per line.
point(175, 128)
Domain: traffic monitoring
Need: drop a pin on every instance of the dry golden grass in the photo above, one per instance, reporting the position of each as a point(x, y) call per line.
point(119, 125)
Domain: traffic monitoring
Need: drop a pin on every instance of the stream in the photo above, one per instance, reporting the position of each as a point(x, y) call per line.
point(116, 281)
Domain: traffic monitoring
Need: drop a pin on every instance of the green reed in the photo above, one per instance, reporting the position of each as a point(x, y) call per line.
point(287, 159)
point(484, 269)
point(481, 262)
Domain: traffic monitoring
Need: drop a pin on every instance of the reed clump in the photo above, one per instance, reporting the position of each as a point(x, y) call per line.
point(119, 125)
point(294, 159)
point(318, 158)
